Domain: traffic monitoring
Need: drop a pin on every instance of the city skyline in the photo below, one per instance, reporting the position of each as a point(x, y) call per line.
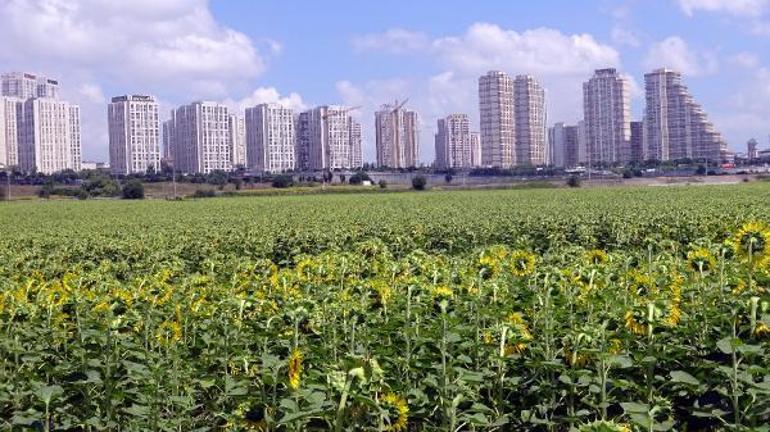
point(244, 53)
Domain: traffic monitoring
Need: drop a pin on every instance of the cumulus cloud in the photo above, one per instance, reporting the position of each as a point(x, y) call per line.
point(174, 49)
point(674, 53)
point(268, 95)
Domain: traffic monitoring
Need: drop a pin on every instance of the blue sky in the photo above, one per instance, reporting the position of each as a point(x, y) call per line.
point(305, 53)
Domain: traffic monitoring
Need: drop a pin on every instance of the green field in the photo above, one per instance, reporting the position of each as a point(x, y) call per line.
point(594, 310)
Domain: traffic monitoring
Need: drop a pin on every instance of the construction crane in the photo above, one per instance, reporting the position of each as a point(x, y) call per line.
point(400, 105)
point(343, 112)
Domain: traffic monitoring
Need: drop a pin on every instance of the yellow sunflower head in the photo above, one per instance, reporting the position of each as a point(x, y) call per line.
point(397, 412)
point(701, 260)
point(295, 369)
point(751, 242)
point(604, 426)
point(596, 257)
point(522, 263)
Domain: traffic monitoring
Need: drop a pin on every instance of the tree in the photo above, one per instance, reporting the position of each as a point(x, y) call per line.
point(383, 184)
point(133, 190)
point(419, 183)
point(573, 182)
point(448, 178)
point(358, 178)
point(218, 178)
point(701, 170)
point(283, 181)
point(342, 178)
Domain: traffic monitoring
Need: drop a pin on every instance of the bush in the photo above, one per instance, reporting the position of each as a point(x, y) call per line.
point(419, 183)
point(283, 181)
point(133, 190)
point(448, 178)
point(82, 194)
point(358, 178)
point(383, 184)
point(200, 193)
point(701, 170)
point(573, 182)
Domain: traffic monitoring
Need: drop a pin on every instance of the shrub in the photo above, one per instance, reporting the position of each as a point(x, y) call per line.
point(133, 190)
point(383, 184)
point(573, 182)
point(358, 178)
point(283, 181)
point(204, 193)
point(419, 183)
point(448, 178)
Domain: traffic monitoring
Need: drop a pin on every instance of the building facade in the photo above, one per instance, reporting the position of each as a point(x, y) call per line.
point(453, 143)
point(476, 149)
point(134, 134)
point(530, 122)
point(637, 141)
point(675, 126)
point(397, 135)
point(49, 136)
point(752, 150)
point(497, 122)
point(201, 138)
point(270, 138)
point(328, 138)
point(25, 86)
point(238, 140)
point(168, 138)
point(10, 109)
point(607, 115)
point(564, 142)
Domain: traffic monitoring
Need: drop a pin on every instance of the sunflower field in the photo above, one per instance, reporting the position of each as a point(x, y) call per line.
point(533, 310)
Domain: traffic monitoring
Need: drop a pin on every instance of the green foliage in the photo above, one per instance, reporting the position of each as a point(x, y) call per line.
point(283, 181)
point(99, 184)
point(525, 310)
point(419, 183)
point(133, 190)
point(574, 182)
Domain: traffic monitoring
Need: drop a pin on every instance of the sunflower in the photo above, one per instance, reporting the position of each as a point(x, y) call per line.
point(762, 329)
point(295, 368)
point(169, 332)
point(701, 260)
point(397, 411)
point(491, 260)
point(751, 242)
point(522, 263)
point(633, 325)
point(442, 292)
point(604, 426)
point(596, 256)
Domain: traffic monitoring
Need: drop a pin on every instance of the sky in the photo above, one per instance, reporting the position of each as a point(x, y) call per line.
point(303, 53)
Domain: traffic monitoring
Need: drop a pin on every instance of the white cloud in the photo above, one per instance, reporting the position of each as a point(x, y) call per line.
point(174, 49)
point(268, 95)
point(745, 60)
point(394, 41)
point(540, 51)
point(745, 8)
point(674, 53)
point(623, 36)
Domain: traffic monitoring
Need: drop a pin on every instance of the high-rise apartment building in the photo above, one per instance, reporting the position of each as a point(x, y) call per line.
point(564, 142)
point(201, 138)
point(328, 138)
point(752, 150)
point(530, 121)
point(49, 136)
point(675, 126)
point(607, 114)
point(238, 141)
point(271, 138)
point(497, 120)
point(637, 141)
point(39, 131)
point(475, 149)
point(168, 138)
point(453, 142)
point(134, 134)
point(24, 85)
point(10, 108)
point(397, 137)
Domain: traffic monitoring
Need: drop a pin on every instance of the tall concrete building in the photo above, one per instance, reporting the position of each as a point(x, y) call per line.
point(476, 149)
point(675, 126)
point(564, 142)
point(752, 150)
point(497, 120)
point(328, 138)
point(10, 109)
point(168, 138)
point(270, 138)
point(134, 134)
point(453, 143)
point(238, 141)
point(637, 141)
point(49, 136)
point(201, 138)
point(24, 85)
point(582, 142)
point(607, 114)
point(530, 122)
point(46, 129)
point(397, 133)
